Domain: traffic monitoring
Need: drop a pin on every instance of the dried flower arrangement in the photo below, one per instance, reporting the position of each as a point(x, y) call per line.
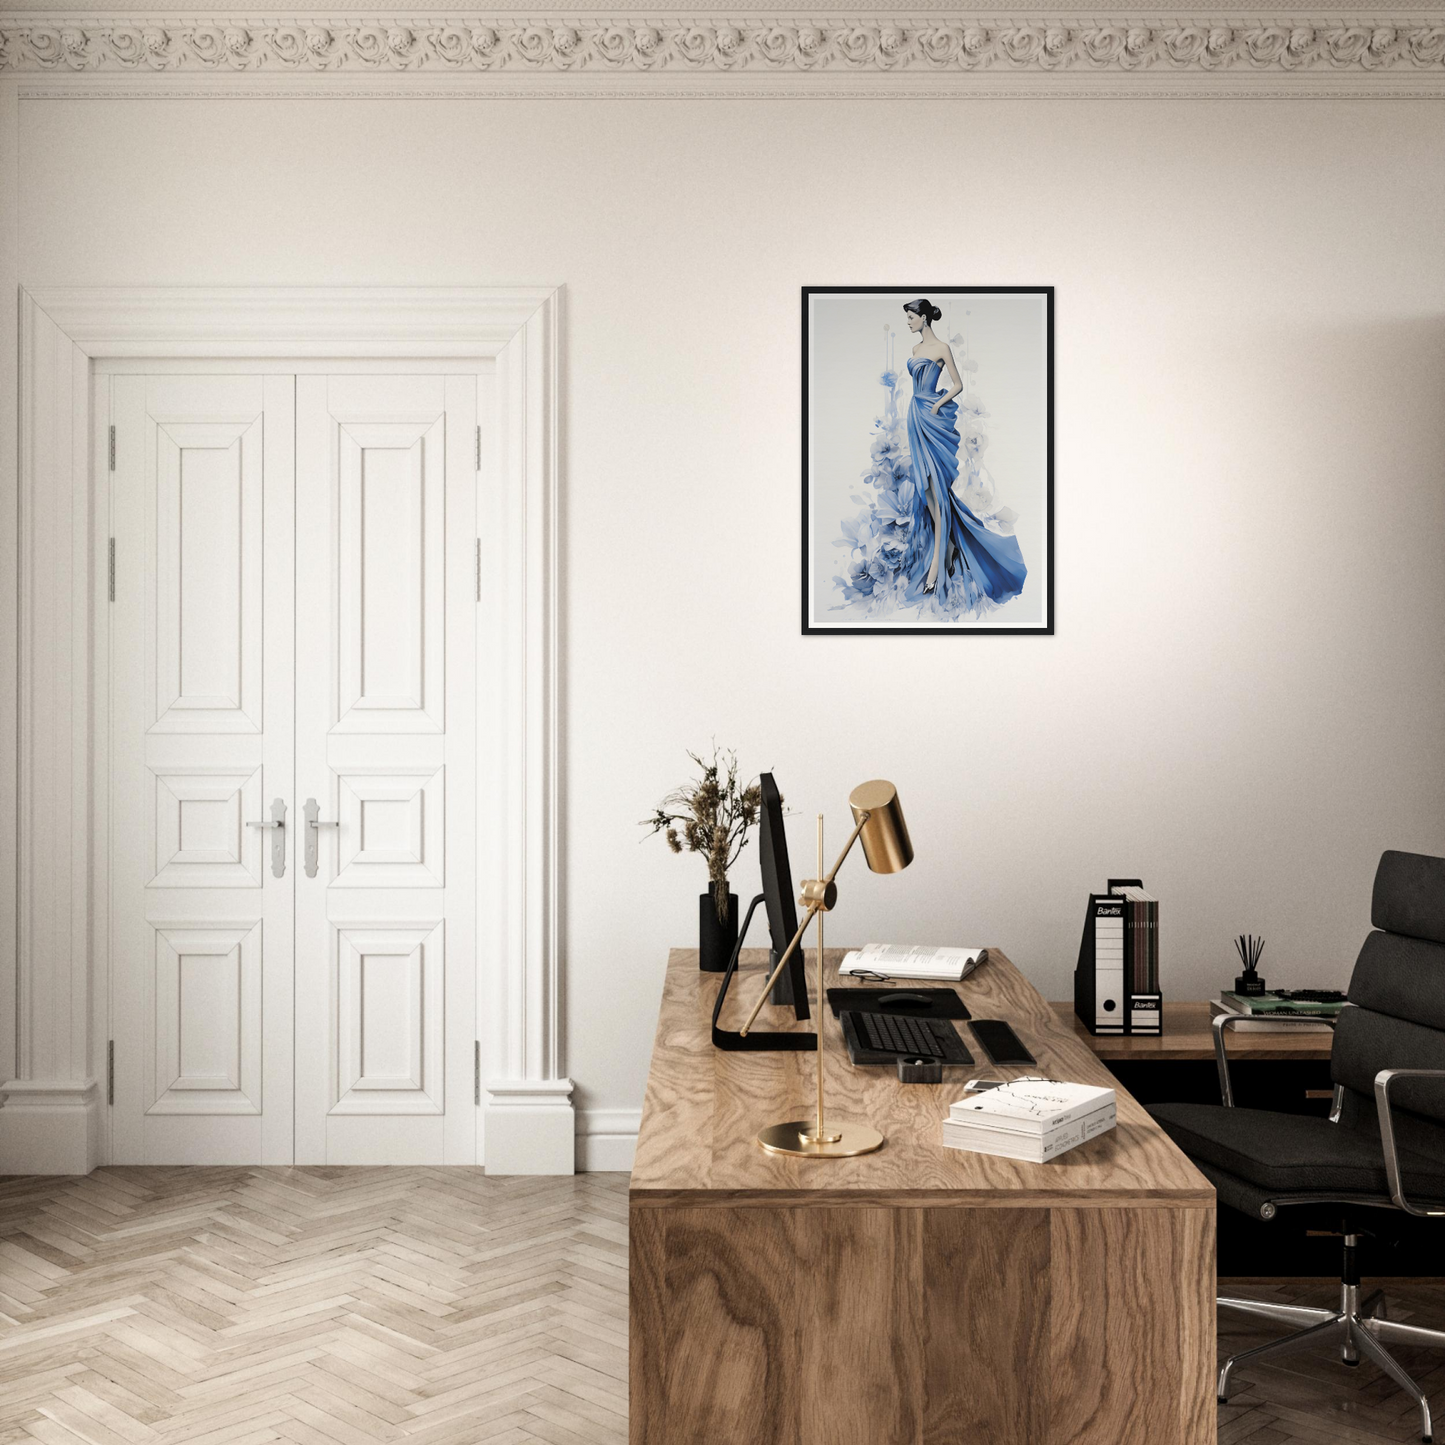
point(711, 816)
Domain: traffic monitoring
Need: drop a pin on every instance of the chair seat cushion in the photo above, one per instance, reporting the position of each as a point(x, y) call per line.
point(1292, 1153)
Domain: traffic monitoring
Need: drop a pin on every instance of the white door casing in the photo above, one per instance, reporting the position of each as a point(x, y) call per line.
point(386, 607)
point(55, 987)
point(202, 742)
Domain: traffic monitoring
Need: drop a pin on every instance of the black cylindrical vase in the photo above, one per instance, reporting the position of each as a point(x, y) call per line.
point(716, 940)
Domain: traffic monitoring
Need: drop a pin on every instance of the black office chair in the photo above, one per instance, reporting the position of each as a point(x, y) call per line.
point(1383, 1146)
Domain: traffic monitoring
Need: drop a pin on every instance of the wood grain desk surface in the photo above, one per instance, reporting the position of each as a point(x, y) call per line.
point(1188, 1036)
point(705, 1106)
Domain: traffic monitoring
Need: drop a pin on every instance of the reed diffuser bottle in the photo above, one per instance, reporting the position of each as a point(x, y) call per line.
point(1249, 948)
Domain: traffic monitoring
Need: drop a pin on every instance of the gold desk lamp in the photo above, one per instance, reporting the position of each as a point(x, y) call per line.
point(878, 821)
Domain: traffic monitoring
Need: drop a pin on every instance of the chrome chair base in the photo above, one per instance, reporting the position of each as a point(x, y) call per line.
point(1359, 1327)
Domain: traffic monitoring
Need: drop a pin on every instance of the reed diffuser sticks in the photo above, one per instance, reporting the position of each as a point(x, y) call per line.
point(1249, 948)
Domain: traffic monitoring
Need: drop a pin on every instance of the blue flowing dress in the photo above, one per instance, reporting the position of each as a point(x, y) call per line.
point(977, 567)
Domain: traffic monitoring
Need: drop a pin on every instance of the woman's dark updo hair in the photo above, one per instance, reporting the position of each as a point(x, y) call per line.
point(923, 307)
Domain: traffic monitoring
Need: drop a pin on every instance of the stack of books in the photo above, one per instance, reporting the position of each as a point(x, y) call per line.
point(1263, 1012)
point(1031, 1119)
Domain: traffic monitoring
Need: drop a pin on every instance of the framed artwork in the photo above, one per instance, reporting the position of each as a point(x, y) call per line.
point(928, 459)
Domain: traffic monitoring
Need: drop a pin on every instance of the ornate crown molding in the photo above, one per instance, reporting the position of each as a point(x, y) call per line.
point(931, 47)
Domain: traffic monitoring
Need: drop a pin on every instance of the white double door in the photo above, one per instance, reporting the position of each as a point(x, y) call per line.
point(292, 642)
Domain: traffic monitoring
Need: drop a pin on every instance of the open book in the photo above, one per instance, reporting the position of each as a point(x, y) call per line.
point(901, 960)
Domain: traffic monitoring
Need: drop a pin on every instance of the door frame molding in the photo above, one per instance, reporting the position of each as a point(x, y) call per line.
point(54, 989)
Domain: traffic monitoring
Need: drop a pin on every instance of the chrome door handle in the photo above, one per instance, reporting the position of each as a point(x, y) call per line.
point(278, 842)
point(314, 825)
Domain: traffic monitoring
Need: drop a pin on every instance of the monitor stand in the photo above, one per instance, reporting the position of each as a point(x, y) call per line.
point(758, 1040)
point(782, 993)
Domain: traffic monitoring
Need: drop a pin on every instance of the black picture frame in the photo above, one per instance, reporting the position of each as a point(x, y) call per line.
point(1046, 627)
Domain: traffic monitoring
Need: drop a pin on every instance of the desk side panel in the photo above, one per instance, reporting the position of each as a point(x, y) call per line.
point(1132, 1326)
point(646, 1324)
point(922, 1326)
point(858, 1282)
point(985, 1311)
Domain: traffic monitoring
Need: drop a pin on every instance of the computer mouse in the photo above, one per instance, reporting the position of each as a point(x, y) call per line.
point(903, 999)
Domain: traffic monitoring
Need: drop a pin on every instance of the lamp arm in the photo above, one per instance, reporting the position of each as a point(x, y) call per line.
point(848, 847)
point(813, 910)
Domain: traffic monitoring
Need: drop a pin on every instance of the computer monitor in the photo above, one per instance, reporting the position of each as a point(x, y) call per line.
point(777, 898)
point(791, 987)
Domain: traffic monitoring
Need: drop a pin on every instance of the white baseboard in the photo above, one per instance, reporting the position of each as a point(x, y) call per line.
point(607, 1139)
point(530, 1127)
point(49, 1126)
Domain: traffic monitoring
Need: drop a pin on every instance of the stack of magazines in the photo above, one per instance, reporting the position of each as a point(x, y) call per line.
point(1032, 1119)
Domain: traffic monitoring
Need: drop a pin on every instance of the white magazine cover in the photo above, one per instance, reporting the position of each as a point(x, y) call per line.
point(1031, 1105)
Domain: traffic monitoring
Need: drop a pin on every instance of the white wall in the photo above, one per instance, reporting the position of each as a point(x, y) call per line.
point(1243, 700)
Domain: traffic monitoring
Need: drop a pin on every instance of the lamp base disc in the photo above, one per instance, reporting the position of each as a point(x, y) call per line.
point(790, 1138)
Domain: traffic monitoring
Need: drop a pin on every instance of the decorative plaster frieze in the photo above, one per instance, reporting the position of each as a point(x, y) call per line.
point(877, 46)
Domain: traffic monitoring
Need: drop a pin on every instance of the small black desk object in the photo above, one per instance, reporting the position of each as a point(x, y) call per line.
point(1001, 1043)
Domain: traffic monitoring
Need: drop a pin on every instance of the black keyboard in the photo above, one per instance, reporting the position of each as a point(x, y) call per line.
point(902, 1037)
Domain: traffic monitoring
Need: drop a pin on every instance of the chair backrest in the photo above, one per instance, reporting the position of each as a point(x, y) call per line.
point(1398, 993)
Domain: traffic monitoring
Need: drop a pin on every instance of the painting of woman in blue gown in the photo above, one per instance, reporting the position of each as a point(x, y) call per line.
point(931, 546)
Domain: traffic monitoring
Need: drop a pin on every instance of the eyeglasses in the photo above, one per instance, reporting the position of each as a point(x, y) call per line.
point(871, 976)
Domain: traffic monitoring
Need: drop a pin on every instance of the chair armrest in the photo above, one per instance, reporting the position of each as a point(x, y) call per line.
point(1223, 1021)
point(1383, 1080)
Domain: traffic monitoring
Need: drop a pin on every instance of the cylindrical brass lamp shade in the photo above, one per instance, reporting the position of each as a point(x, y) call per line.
point(885, 840)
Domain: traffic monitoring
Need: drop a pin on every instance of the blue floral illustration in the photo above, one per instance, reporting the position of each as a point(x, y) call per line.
point(890, 541)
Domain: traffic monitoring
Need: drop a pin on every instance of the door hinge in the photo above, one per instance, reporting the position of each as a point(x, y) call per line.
point(477, 1072)
point(479, 569)
point(110, 1072)
point(112, 448)
point(110, 569)
point(479, 447)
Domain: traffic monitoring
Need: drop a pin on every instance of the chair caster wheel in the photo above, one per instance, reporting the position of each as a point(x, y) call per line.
point(1353, 1364)
point(1221, 1399)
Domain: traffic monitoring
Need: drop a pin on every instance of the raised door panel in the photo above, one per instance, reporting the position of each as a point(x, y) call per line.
point(393, 832)
point(390, 1011)
point(201, 742)
point(390, 576)
point(199, 832)
point(386, 475)
point(207, 565)
point(206, 1045)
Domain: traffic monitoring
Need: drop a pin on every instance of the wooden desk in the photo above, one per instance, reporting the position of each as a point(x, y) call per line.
point(919, 1295)
point(1188, 1036)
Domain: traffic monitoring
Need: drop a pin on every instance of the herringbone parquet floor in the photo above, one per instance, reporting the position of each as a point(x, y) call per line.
point(318, 1306)
point(425, 1306)
point(1312, 1398)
